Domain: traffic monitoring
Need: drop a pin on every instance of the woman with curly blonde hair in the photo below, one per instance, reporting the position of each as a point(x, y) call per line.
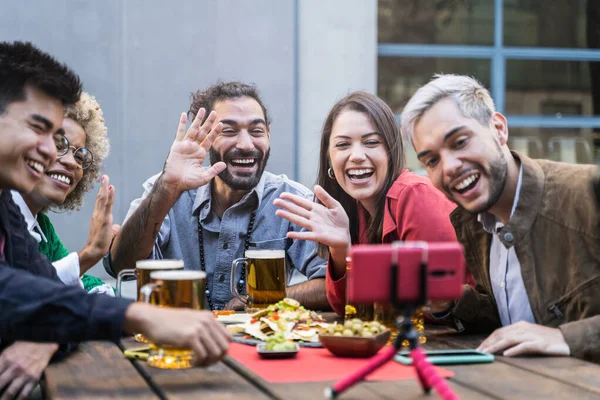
point(63, 188)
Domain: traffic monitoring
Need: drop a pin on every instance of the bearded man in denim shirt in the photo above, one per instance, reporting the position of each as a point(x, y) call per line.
point(186, 214)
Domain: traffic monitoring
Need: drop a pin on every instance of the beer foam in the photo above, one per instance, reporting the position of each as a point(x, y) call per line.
point(265, 254)
point(178, 275)
point(159, 264)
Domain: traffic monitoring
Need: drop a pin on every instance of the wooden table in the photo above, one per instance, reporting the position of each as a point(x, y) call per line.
point(99, 371)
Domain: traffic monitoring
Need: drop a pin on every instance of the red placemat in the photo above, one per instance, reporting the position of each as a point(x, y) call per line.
point(312, 365)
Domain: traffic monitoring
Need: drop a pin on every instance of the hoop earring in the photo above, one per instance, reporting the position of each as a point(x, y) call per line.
point(330, 173)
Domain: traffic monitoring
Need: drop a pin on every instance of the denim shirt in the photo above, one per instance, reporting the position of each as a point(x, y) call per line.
point(505, 270)
point(224, 238)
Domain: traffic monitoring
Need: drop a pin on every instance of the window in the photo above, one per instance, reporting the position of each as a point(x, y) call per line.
point(541, 63)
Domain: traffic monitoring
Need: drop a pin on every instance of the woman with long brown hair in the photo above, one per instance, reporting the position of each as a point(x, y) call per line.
point(365, 193)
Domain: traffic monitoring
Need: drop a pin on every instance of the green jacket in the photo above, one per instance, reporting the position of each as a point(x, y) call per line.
point(55, 250)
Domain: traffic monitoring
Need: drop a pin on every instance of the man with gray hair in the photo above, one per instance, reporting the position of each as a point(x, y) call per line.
point(530, 228)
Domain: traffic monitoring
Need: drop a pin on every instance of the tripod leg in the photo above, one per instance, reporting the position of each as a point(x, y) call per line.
point(422, 379)
point(429, 377)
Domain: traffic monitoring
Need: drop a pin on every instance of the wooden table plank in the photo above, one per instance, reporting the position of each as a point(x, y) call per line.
point(215, 382)
point(97, 370)
point(410, 389)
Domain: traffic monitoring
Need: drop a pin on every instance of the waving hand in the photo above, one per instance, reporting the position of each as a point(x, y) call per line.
point(183, 168)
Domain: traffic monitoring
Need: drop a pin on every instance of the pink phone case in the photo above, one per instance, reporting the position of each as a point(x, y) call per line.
point(369, 271)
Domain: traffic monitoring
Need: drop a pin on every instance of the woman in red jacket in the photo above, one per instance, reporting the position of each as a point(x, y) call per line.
point(365, 193)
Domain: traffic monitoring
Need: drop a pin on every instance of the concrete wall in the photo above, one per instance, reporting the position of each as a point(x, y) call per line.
point(338, 54)
point(142, 58)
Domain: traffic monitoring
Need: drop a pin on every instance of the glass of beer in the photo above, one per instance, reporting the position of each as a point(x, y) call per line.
point(142, 271)
point(387, 315)
point(174, 289)
point(266, 279)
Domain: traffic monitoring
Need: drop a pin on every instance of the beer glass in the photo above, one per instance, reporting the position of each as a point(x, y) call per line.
point(142, 271)
point(386, 315)
point(266, 279)
point(174, 289)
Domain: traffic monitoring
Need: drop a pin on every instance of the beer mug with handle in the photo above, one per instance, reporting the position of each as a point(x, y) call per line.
point(174, 289)
point(265, 278)
point(142, 271)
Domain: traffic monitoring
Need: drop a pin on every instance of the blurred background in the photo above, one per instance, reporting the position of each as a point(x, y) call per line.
point(142, 58)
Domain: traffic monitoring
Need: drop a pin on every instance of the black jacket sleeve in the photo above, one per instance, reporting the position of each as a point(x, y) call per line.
point(37, 309)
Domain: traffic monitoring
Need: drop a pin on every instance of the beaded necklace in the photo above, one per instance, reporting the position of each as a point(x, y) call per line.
point(241, 282)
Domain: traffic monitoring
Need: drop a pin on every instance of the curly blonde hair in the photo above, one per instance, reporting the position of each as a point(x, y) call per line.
point(87, 113)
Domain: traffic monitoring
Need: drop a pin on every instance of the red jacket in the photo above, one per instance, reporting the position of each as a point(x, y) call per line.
point(414, 210)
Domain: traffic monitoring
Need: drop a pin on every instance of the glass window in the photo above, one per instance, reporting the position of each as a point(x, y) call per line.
point(399, 78)
point(537, 87)
point(572, 145)
point(436, 22)
point(552, 23)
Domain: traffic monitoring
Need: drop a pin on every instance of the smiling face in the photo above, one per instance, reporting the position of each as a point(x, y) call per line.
point(358, 157)
point(463, 158)
point(243, 143)
point(27, 132)
point(64, 175)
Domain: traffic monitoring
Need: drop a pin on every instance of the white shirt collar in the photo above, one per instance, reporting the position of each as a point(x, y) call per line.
point(30, 219)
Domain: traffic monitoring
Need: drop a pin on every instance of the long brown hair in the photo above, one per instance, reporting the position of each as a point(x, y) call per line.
point(384, 121)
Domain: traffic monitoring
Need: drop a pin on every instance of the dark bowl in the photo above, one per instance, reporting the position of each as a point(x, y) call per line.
point(355, 346)
point(273, 355)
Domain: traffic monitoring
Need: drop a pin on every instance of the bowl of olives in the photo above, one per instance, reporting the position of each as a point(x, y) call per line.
point(355, 338)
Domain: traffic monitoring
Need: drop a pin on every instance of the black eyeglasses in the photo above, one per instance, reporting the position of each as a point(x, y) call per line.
point(82, 156)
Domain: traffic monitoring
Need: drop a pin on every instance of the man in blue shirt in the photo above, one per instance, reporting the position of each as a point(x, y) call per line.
point(186, 214)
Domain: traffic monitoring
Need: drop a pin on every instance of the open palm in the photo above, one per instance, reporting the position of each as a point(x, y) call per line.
point(326, 223)
point(183, 169)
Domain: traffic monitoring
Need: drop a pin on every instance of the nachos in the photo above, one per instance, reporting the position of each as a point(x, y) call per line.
point(287, 317)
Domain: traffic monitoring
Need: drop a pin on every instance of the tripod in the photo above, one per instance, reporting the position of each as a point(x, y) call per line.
point(427, 375)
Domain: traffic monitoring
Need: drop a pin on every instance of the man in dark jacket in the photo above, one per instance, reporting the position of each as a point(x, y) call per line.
point(34, 305)
point(530, 228)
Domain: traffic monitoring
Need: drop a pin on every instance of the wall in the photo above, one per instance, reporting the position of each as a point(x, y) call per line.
point(141, 59)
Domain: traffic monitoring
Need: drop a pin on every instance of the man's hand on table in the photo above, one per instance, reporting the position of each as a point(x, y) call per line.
point(21, 366)
point(526, 338)
point(193, 329)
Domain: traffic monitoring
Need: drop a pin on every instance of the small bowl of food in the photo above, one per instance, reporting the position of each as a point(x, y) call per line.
point(355, 338)
point(277, 347)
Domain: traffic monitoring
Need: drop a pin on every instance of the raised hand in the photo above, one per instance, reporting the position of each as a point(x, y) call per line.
point(101, 227)
point(326, 223)
point(183, 169)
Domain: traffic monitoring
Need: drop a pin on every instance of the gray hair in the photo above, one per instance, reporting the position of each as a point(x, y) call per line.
point(473, 100)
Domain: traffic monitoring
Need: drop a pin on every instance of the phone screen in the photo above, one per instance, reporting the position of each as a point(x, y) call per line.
point(448, 353)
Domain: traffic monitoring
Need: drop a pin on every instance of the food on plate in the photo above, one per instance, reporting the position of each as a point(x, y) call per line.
point(355, 327)
point(287, 318)
point(278, 342)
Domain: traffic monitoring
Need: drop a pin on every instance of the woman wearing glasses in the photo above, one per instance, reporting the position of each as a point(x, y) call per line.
point(83, 148)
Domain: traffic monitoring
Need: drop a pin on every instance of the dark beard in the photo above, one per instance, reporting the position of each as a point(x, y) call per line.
point(240, 182)
point(497, 179)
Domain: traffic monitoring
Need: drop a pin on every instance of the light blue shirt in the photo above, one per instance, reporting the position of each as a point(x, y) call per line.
point(224, 238)
point(505, 270)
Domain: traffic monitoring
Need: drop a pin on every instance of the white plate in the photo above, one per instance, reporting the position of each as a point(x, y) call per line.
point(234, 318)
